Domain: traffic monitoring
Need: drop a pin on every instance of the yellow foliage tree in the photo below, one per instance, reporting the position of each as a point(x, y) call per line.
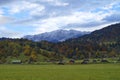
point(27, 50)
point(33, 55)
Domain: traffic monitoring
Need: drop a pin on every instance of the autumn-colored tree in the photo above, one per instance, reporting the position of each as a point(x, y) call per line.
point(27, 50)
point(112, 53)
point(33, 55)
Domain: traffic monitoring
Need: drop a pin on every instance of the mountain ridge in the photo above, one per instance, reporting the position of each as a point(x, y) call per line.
point(56, 36)
point(98, 44)
point(108, 33)
point(103, 43)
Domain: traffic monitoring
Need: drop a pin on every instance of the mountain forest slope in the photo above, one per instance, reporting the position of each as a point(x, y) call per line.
point(98, 44)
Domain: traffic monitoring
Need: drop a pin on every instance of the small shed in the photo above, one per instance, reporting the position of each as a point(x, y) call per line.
point(94, 61)
point(85, 61)
point(16, 61)
point(104, 60)
point(61, 62)
point(72, 61)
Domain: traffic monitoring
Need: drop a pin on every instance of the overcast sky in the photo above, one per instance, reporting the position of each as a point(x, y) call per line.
point(23, 17)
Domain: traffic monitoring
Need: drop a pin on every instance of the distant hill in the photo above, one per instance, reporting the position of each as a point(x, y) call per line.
point(109, 33)
point(56, 36)
point(100, 43)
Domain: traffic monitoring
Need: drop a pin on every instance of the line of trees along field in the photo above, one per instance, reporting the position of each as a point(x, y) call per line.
point(99, 44)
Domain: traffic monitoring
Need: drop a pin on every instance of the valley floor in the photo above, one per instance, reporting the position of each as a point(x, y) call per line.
point(60, 72)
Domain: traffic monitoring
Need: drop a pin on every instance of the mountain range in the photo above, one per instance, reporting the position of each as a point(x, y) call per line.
point(100, 43)
point(103, 43)
point(56, 36)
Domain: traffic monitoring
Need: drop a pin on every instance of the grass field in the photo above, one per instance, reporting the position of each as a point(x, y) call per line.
point(60, 72)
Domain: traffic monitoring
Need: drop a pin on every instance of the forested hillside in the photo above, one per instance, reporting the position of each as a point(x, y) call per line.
point(25, 50)
point(102, 43)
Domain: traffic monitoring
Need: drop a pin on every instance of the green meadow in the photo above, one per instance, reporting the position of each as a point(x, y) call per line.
point(60, 72)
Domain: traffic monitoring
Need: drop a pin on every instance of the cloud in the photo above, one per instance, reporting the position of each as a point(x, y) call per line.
point(4, 32)
point(75, 20)
point(5, 19)
point(115, 17)
point(54, 2)
point(10, 34)
point(1, 12)
point(4, 2)
point(51, 10)
point(33, 8)
point(49, 15)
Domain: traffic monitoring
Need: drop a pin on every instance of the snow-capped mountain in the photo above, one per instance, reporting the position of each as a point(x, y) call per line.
point(56, 36)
